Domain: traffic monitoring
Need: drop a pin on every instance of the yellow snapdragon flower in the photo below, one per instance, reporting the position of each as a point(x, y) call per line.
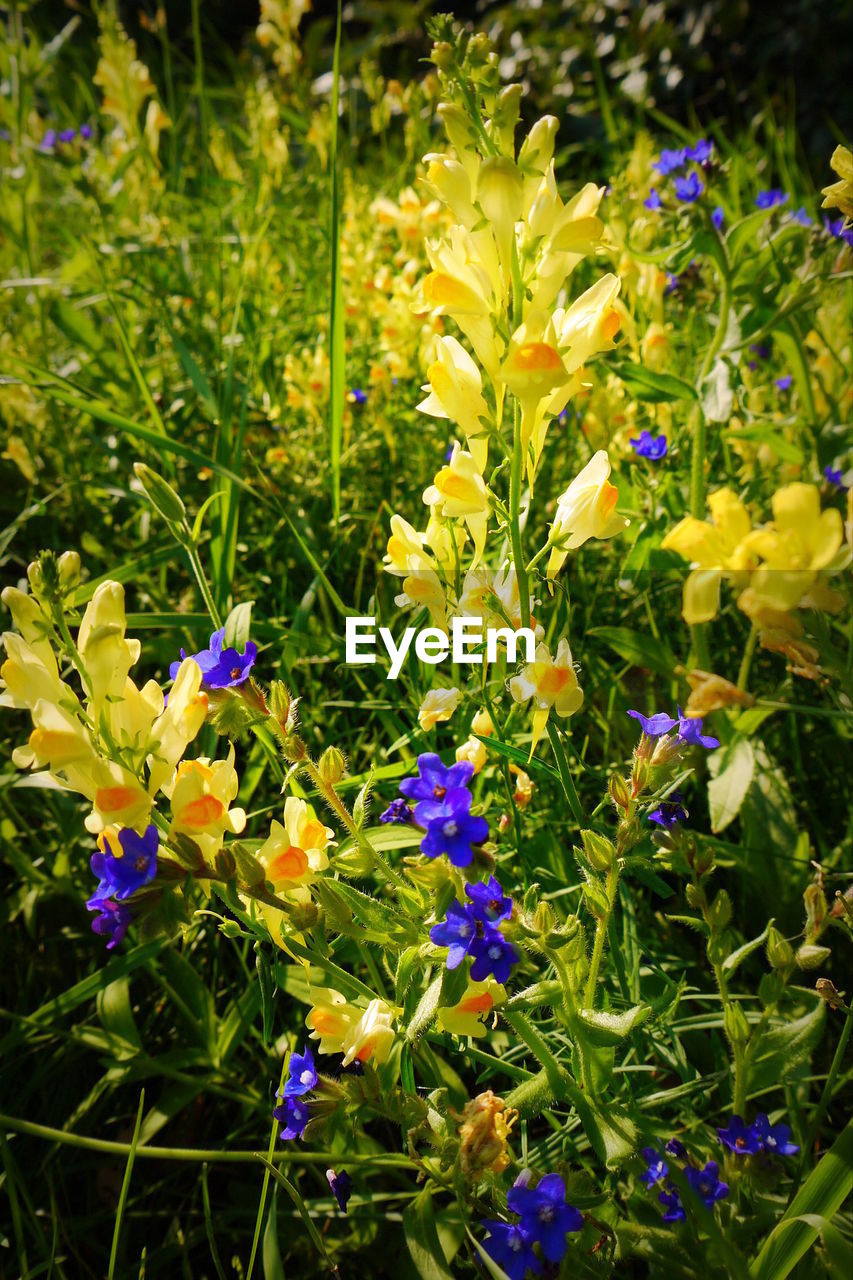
point(438, 706)
point(361, 1035)
point(717, 549)
point(586, 510)
point(469, 1016)
point(839, 195)
point(801, 541)
point(458, 492)
point(551, 683)
point(200, 795)
point(456, 392)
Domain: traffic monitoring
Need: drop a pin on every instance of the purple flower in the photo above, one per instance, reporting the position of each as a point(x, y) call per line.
point(457, 932)
point(492, 955)
point(653, 200)
point(545, 1216)
point(836, 228)
point(86, 131)
point(645, 445)
point(68, 135)
point(656, 725)
point(489, 903)
point(358, 396)
point(303, 1075)
point(769, 199)
point(775, 1139)
point(670, 161)
point(122, 876)
point(802, 219)
point(676, 1149)
point(293, 1114)
point(740, 1138)
point(718, 218)
point(49, 140)
point(835, 477)
point(701, 152)
point(451, 828)
point(672, 282)
point(784, 383)
point(436, 779)
point(657, 1167)
point(341, 1184)
point(113, 920)
point(761, 349)
point(510, 1247)
point(221, 668)
point(669, 812)
point(689, 189)
point(674, 1208)
point(706, 1183)
point(399, 812)
point(690, 732)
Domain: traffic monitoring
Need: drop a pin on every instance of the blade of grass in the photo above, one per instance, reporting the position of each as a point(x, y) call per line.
point(125, 1186)
point(336, 317)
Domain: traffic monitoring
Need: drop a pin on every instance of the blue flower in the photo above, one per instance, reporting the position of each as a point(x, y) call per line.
point(802, 218)
point(137, 866)
point(836, 478)
point(653, 200)
point(357, 396)
point(85, 131)
point(672, 282)
point(436, 779)
point(489, 902)
point(656, 725)
point(740, 1138)
point(775, 1139)
point(221, 668)
point(645, 445)
point(718, 218)
point(836, 228)
point(690, 732)
point(706, 1183)
point(492, 955)
point(674, 1208)
point(510, 1247)
point(657, 1167)
point(689, 189)
point(761, 349)
point(545, 1216)
point(67, 135)
point(669, 812)
point(769, 199)
point(676, 1148)
point(113, 920)
point(303, 1075)
point(784, 383)
point(294, 1115)
point(457, 931)
point(451, 828)
point(700, 153)
point(670, 161)
point(341, 1184)
point(399, 812)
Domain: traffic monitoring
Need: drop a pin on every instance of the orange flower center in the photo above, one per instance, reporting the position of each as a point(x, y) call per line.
point(611, 326)
point(554, 680)
point(200, 813)
point(290, 864)
point(114, 799)
point(537, 357)
point(481, 1003)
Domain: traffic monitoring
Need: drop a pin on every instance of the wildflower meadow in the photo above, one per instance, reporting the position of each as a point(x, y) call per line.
point(427, 687)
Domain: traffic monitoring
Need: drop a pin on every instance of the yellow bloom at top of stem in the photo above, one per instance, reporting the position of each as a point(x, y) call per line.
point(549, 682)
point(586, 510)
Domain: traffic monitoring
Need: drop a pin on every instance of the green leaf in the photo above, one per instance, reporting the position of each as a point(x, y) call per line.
point(717, 395)
point(820, 1197)
point(731, 962)
point(760, 433)
point(196, 377)
point(422, 1238)
point(117, 1018)
point(425, 1013)
point(644, 384)
point(271, 1253)
point(733, 767)
point(237, 626)
point(337, 366)
point(776, 1054)
point(605, 1028)
point(641, 650)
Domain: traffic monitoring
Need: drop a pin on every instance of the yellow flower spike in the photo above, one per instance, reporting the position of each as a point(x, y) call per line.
point(474, 752)
point(586, 510)
point(500, 196)
point(456, 392)
point(459, 493)
point(550, 683)
point(437, 707)
point(176, 725)
point(105, 653)
point(470, 1016)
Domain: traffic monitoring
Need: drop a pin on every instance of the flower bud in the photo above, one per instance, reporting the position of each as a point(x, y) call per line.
point(442, 55)
point(247, 867)
point(812, 956)
point(225, 864)
point(305, 915)
point(474, 752)
point(68, 567)
point(780, 953)
point(160, 494)
point(814, 902)
point(599, 851)
point(665, 750)
point(537, 149)
point(331, 766)
point(694, 895)
point(523, 793)
point(619, 790)
point(482, 724)
point(720, 911)
point(544, 918)
point(736, 1025)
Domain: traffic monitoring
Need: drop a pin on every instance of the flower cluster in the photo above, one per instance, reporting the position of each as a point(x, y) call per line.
point(471, 929)
point(760, 1136)
point(221, 668)
point(689, 729)
point(705, 1182)
point(443, 808)
point(293, 1113)
point(544, 1219)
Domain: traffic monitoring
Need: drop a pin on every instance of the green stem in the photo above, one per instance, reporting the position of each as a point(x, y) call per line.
point(601, 927)
point(339, 808)
point(198, 570)
point(826, 1095)
point(698, 426)
point(515, 481)
point(746, 661)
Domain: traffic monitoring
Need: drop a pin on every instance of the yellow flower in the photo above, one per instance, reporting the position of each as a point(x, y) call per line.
point(437, 706)
point(590, 324)
point(200, 795)
point(405, 551)
point(523, 793)
point(586, 510)
point(105, 654)
point(482, 723)
point(534, 371)
point(458, 492)
point(500, 196)
point(711, 693)
point(177, 724)
point(474, 752)
point(295, 853)
point(715, 550)
point(839, 195)
point(801, 541)
point(456, 392)
point(424, 589)
point(470, 1015)
point(483, 1134)
point(550, 682)
point(359, 1034)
